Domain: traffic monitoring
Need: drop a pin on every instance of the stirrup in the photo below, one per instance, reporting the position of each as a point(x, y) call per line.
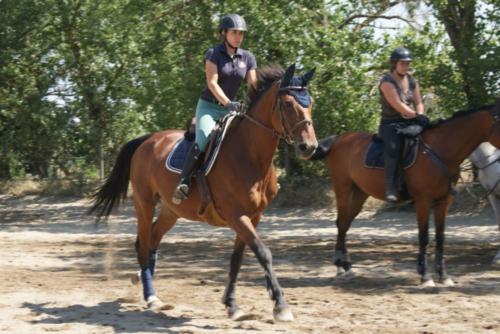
point(180, 193)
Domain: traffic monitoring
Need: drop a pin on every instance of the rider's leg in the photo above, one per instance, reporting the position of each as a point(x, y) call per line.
point(193, 160)
point(393, 144)
point(207, 115)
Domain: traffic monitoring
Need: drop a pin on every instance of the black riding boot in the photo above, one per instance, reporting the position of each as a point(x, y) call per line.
point(193, 160)
point(390, 169)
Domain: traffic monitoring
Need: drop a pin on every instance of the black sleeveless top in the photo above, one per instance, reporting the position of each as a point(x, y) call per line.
point(388, 112)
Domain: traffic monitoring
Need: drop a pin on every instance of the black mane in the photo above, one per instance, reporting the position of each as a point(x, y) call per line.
point(462, 113)
point(266, 77)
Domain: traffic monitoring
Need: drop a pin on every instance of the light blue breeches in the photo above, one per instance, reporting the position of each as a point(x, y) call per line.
point(207, 114)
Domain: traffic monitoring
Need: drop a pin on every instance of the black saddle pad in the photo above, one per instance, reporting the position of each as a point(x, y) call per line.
point(374, 156)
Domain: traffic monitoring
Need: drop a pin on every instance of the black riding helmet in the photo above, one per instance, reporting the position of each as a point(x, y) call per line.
point(233, 21)
point(400, 54)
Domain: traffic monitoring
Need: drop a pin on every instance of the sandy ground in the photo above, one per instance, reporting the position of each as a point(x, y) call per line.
point(61, 273)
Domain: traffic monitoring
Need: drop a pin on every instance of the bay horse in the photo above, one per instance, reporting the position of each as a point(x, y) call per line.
point(486, 158)
point(242, 181)
point(428, 181)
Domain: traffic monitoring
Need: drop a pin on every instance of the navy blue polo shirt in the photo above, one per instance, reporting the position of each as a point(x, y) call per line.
point(231, 71)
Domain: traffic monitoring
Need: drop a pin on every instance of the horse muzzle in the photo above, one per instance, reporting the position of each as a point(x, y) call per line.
point(305, 149)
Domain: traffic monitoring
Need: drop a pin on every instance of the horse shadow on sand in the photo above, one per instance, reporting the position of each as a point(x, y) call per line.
point(114, 314)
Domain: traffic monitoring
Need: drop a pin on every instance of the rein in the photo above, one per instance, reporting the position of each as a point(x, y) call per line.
point(286, 135)
point(426, 149)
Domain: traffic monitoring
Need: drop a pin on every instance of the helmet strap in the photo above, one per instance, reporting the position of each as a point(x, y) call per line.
point(228, 44)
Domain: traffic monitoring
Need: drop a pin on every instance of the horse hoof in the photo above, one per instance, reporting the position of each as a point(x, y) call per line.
point(448, 282)
point(345, 275)
point(156, 305)
point(283, 314)
point(135, 279)
point(428, 283)
point(349, 274)
point(176, 201)
point(236, 315)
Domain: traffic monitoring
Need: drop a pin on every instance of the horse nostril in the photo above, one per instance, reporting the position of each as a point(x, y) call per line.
point(302, 147)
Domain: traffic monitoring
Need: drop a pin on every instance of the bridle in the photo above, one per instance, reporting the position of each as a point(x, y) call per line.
point(286, 131)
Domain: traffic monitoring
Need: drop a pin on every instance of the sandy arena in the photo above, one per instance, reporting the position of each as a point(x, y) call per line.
point(61, 273)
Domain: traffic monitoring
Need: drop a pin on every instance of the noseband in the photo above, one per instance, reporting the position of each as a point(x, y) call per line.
point(285, 133)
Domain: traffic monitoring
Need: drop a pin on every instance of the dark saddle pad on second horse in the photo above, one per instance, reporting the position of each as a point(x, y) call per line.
point(175, 159)
point(374, 156)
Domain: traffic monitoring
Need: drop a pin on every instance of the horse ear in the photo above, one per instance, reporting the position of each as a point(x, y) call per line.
point(308, 76)
point(288, 76)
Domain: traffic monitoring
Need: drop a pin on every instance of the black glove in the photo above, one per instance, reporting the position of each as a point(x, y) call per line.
point(423, 120)
point(233, 106)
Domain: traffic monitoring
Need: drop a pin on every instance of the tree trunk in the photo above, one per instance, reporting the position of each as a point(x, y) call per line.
point(458, 17)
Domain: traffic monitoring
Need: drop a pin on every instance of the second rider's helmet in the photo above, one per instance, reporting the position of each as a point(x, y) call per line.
point(401, 54)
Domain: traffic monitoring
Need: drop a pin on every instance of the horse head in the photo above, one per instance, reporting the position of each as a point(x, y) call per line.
point(294, 109)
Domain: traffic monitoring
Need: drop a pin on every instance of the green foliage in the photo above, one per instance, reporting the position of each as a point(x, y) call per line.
point(80, 78)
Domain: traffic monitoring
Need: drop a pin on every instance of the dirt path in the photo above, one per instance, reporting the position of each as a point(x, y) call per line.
point(61, 273)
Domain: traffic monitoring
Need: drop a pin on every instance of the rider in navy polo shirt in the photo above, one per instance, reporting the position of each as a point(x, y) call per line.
point(226, 66)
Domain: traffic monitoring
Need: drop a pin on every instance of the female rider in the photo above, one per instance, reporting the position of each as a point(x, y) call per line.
point(226, 66)
point(401, 100)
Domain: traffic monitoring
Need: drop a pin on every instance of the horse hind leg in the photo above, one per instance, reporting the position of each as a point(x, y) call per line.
point(146, 255)
point(165, 221)
point(348, 207)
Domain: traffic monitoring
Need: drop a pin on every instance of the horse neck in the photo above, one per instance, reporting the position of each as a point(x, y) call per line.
point(454, 140)
point(259, 140)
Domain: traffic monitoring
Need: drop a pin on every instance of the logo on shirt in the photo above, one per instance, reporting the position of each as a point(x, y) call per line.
point(241, 64)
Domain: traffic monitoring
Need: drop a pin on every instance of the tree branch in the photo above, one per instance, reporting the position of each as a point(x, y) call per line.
point(370, 18)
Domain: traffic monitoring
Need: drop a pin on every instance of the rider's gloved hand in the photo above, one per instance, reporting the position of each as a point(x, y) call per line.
point(423, 120)
point(233, 106)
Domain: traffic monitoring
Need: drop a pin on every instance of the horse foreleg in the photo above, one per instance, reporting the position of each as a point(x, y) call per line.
point(246, 232)
point(423, 208)
point(440, 212)
point(341, 258)
point(229, 298)
point(495, 204)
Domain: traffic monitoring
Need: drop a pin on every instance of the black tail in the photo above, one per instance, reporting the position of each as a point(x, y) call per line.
point(114, 190)
point(324, 147)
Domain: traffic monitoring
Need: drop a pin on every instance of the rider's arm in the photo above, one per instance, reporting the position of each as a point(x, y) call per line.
point(251, 78)
point(391, 95)
point(212, 75)
point(419, 105)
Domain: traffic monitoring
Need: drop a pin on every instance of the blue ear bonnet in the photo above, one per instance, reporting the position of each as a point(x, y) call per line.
point(300, 95)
